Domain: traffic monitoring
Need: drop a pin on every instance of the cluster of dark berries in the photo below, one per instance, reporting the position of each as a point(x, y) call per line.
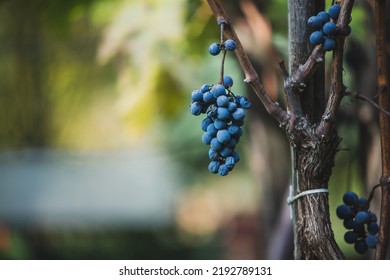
point(324, 26)
point(229, 45)
point(361, 223)
point(222, 126)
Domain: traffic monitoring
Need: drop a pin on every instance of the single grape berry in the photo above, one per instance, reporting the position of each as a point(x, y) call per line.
point(329, 28)
point(223, 136)
point(214, 166)
point(324, 16)
point(230, 45)
point(222, 101)
point(329, 44)
point(216, 145)
point(196, 108)
point(350, 198)
point(361, 247)
point(227, 81)
point(218, 90)
point(362, 217)
point(197, 95)
point(316, 38)
point(371, 240)
point(350, 237)
point(373, 228)
point(239, 114)
point(344, 212)
point(223, 170)
point(208, 97)
point(314, 23)
point(214, 49)
point(334, 11)
point(206, 138)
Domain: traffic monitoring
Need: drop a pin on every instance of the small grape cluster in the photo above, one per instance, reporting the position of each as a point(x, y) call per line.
point(324, 26)
point(222, 126)
point(229, 45)
point(361, 223)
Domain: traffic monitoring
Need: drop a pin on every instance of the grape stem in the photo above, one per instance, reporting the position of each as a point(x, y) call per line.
point(222, 25)
point(360, 96)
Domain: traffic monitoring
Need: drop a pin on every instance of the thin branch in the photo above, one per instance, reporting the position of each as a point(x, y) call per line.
point(384, 125)
point(251, 77)
point(337, 87)
point(360, 96)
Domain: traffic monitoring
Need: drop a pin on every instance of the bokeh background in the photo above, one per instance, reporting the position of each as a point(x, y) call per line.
point(100, 157)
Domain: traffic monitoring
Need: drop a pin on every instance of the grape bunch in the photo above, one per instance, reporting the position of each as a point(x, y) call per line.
point(324, 26)
point(225, 114)
point(361, 223)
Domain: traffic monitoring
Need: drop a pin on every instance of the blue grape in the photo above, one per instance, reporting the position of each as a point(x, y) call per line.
point(362, 217)
point(316, 38)
point(349, 223)
point(227, 81)
point(218, 90)
point(226, 152)
point(220, 124)
point(350, 237)
point(233, 129)
point(232, 143)
point(344, 212)
point(314, 22)
point(211, 130)
point(214, 166)
point(373, 228)
point(197, 95)
point(213, 154)
point(239, 114)
point(205, 123)
point(206, 138)
point(223, 170)
point(208, 97)
point(223, 136)
point(329, 44)
point(329, 28)
point(361, 247)
point(230, 162)
point(230, 45)
point(324, 16)
point(362, 201)
point(222, 101)
point(205, 88)
point(223, 113)
point(334, 11)
point(214, 49)
point(373, 217)
point(196, 108)
point(349, 30)
point(350, 198)
point(371, 240)
point(216, 145)
point(236, 156)
point(232, 107)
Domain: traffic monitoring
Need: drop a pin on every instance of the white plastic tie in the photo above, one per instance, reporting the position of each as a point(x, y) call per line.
point(291, 199)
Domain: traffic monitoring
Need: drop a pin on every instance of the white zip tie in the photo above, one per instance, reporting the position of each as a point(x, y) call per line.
point(291, 198)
